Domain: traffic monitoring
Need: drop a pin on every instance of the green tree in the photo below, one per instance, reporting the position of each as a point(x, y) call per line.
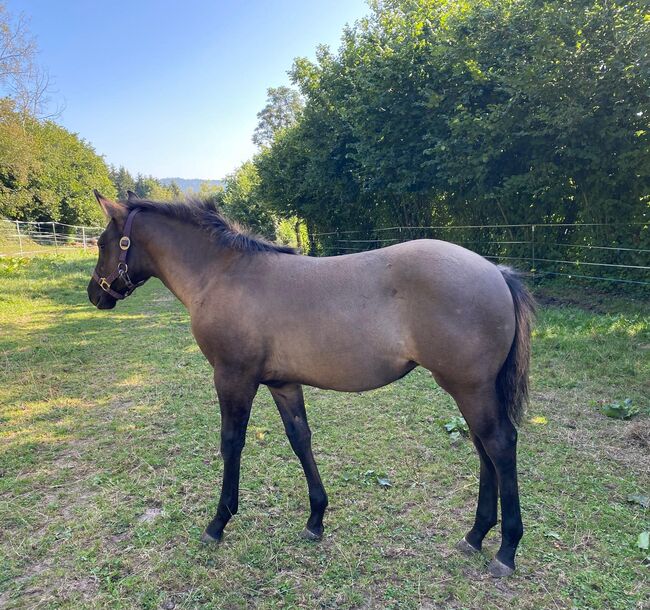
point(48, 173)
point(242, 201)
point(471, 112)
point(282, 109)
point(123, 181)
point(69, 169)
point(17, 160)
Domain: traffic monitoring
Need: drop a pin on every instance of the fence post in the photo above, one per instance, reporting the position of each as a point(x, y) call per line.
point(56, 243)
point(532, 247)
point(20, 239)
point(83, 236)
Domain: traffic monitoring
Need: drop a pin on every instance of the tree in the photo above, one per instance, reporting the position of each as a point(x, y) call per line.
point(282, 109)
point(242, 201)
point(472, 112)
point(46, 172)
point(123, 182)
point(21, 78)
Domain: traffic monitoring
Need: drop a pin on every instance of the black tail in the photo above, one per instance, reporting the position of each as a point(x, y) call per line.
point(512, 381)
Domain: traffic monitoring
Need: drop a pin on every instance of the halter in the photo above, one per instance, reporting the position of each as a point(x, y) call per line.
point(122, 267)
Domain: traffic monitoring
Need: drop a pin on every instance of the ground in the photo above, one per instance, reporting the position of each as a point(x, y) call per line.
point(110, 468)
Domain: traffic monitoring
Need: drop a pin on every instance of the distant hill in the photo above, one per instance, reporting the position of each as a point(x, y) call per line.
point(191, 184)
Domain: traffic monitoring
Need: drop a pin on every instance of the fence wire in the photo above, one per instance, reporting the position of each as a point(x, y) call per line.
point(616, 252)
point(23, 238)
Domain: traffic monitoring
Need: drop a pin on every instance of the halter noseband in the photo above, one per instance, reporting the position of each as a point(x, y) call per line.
point(122, 267)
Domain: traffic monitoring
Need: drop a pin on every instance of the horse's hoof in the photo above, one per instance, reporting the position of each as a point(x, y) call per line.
point(499, 569)
point(307, 534)
point(466, 548)
point(208, 539)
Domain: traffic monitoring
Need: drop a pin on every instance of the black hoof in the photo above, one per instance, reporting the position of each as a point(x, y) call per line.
point(307, 534)
point(208, 539)
point(466, 548)
point(499, 569)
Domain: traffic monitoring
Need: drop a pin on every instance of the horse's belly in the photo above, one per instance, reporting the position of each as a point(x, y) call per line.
point(355, 377)
point(353, 360)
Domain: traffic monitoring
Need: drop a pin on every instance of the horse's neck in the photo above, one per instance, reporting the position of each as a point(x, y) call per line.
point(182, 256)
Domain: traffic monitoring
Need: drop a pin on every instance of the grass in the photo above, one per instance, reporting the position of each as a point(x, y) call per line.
point(110, 468)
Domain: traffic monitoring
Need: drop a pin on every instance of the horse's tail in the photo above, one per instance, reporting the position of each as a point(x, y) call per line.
point(512, 380)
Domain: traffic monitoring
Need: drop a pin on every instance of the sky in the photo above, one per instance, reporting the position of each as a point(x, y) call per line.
point(172, 88)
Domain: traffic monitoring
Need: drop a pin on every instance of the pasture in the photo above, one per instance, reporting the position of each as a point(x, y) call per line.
point(110, 468)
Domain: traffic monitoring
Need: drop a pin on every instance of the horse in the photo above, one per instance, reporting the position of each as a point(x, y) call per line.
point(262, 314)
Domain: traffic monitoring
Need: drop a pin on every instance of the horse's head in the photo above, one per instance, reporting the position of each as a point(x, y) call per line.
point(122, 263)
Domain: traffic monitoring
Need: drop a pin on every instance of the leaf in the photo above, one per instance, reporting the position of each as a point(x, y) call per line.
point(384, 482)
point(643, 542)
point(551, 534)
point(260, 434)
point(639, 499)
point(538, 420)
point(620, 410)
point(456, 426)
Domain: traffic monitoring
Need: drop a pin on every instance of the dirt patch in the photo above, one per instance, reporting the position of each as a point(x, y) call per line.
point(639, 433)
point(86, 588)
point(585, 429)
point(150, 514)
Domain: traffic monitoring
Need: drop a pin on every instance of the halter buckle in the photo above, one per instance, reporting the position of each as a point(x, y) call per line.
point(104, 284)
point(125, 243)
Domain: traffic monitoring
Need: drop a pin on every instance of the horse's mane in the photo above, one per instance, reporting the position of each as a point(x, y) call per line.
point(206, 215)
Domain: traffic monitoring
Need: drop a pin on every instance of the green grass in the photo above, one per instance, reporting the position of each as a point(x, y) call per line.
point(110, 469)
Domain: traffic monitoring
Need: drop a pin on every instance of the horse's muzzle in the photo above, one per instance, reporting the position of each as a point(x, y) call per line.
point(99, 298)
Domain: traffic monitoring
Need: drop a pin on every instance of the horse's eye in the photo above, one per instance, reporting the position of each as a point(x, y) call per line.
point(101, 246)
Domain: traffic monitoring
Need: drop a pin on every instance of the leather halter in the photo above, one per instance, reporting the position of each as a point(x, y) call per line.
point(122, 268)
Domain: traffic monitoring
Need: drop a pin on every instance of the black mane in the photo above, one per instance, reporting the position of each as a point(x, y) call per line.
point(206, 215)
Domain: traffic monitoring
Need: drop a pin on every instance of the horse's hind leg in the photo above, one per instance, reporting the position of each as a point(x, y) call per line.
point(290, 403)
point(486, 510)
point(497, 441)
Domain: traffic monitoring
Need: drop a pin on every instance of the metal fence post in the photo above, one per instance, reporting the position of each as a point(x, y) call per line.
point(20, 239)
point(83, 234)
point(56, 243)
point(532, 247)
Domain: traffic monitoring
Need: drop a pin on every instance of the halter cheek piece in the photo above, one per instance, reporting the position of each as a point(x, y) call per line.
point(122, 267)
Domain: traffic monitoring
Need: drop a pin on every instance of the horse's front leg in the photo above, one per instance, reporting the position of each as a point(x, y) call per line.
point(235, 401)
point(290, 403)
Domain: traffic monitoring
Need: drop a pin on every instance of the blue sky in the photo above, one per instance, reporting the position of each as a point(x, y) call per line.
point(172, 88)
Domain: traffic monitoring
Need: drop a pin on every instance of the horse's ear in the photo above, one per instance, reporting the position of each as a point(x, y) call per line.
point(113, 209)
point(132, 196)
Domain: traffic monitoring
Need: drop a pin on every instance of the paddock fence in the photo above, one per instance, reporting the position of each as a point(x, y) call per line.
point(595, 252)
point(21, 238)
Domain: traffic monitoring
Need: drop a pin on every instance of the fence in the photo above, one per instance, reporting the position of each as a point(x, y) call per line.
point(612, 253)
point(28, 238)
